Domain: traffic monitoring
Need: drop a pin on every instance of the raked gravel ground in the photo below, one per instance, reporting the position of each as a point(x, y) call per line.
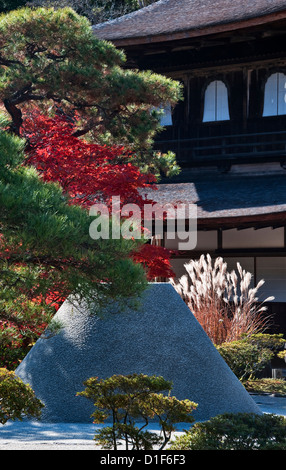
point(34, 435)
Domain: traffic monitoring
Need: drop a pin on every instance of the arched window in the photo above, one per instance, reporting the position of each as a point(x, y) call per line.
point(216, 102)
point(275, 95)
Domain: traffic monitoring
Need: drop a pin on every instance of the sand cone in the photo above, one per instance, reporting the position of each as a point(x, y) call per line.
point(161, 338)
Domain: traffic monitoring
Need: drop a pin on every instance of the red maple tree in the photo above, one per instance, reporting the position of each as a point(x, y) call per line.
point(92, 173)
point(89, 173)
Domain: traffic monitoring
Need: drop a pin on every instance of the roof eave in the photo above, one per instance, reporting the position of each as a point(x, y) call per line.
point(275, 219)
point(197, 32)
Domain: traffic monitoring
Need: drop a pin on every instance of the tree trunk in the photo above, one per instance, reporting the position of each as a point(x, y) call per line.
point(16, 115)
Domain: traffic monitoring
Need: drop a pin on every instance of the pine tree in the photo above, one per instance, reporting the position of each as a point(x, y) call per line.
point(52, 56)
point(46, 252)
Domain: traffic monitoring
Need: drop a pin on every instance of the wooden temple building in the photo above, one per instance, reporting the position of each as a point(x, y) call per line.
point(229, 133)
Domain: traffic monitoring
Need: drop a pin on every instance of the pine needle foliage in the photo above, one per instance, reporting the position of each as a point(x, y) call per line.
point(131, 402)
point(52, 56)
point(46, 251)
point(17, 399)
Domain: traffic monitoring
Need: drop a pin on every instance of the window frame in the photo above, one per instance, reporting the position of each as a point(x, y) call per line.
point(278, 103)
point(226, 112)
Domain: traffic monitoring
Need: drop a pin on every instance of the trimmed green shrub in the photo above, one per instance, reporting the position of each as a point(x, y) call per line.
point(16, 398)
point(246, 360)
point(266, 385)
point(250, 355)
point(275, 342)
point(131, 402)
point(241, 431)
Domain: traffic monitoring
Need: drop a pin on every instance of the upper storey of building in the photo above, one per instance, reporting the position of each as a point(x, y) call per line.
point(231, 58)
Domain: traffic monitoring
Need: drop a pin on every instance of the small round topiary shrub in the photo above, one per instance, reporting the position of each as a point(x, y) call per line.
point(16, 398)
point(241, 431)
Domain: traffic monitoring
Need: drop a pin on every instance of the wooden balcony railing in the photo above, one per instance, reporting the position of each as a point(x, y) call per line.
point(232, 149)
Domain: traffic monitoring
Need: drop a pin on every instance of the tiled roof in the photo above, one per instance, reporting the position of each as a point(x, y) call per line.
point(230, 197)
point(187, 17)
